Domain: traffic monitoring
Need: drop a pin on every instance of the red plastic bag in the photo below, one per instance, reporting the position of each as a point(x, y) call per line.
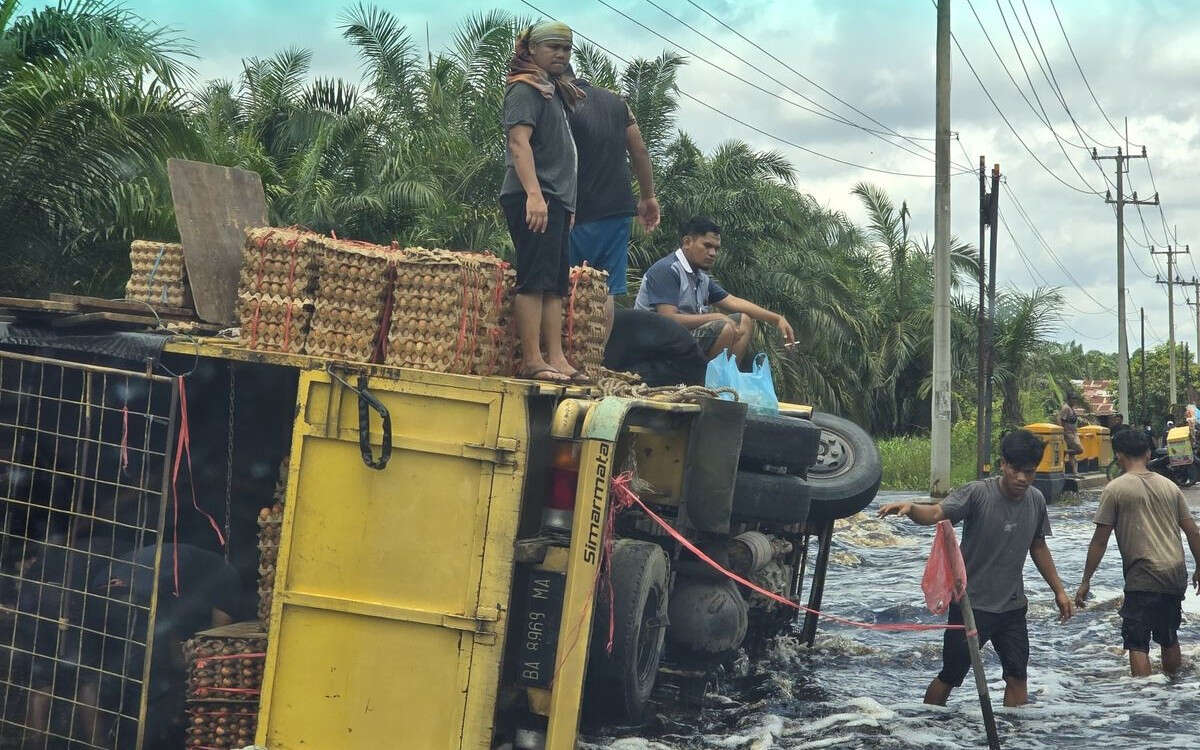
point(945, 574)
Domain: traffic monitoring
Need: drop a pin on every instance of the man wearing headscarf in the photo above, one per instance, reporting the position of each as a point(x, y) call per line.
point(538, 194)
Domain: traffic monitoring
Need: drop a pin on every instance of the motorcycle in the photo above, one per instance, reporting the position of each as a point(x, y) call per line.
point(1183, 470)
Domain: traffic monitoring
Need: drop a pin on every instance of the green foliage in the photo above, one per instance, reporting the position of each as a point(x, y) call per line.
point(95, 99)
point(906, 458)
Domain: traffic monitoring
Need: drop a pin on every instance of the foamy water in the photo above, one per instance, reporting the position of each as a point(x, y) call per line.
point(862, 689)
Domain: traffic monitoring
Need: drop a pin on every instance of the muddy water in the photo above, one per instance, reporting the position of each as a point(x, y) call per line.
point(862, 689)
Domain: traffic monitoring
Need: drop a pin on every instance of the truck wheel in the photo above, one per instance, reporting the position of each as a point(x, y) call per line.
point(774, 498)
point(847, 473)
point(620, 683)
point(772, 441)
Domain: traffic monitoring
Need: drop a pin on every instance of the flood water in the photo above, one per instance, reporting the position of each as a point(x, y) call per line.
point(863, 689)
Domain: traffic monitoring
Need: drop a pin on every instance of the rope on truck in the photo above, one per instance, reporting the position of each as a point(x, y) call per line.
point(629, 385)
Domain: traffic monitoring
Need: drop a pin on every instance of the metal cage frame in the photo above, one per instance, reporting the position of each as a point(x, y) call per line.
point(86, 449)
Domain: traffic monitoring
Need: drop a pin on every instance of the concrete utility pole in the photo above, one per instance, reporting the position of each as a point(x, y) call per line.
point(1171, 283)
point(1121, 159)
point(1142, 312)
point(939, 462)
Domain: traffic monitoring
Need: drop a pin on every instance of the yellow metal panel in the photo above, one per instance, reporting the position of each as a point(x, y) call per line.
point(348, 681)
point(392, 586)
point(660, 462)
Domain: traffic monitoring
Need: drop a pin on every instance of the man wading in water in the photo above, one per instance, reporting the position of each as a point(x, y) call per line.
point(1147, 511)
point(1003, 518)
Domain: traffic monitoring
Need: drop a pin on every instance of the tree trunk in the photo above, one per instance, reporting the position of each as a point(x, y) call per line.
point(1010, 410)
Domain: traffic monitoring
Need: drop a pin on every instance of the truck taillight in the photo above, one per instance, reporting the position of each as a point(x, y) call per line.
point(560, 489)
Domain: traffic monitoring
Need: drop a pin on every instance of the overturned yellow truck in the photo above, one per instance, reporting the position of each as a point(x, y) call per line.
point(453, 560)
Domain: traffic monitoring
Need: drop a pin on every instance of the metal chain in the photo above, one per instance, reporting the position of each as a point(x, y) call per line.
point(229, 463)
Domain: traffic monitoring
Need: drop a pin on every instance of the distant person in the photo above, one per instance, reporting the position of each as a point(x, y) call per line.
point(539, 192)
point(1118, 424)
point(605, 131)
point(1147, 511)
point(1004, 519)
point(679, 287)
point(1167, 433)
point(1069, 421)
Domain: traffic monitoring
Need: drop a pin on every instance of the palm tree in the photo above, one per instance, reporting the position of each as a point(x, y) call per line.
point(898, 291)
point(1024, 322)
point(90, 105)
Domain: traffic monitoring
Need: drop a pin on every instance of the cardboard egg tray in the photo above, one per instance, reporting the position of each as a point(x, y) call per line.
point(280, 263)
point(158, 275)
point(226, 663)
point(270, 524)
point(355, 282)
point(584, 329)
point(447, 312)
point(273, 323)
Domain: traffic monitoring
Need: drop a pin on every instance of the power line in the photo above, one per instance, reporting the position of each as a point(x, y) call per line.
point(833, 116)
point(752, 43)
point(1048, 73)
point(1004, 117)
point(1042, 240)
point(733, 75)
point(1081, 73)
point(1044, 117)
point(741, 122)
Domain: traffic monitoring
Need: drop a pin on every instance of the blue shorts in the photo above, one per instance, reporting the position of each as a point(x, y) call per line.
point(604, 244)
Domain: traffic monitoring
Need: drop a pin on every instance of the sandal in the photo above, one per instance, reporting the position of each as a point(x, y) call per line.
point(539, 373)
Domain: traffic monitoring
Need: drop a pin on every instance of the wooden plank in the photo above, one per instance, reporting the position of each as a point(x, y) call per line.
point(20, 305)
point(99, 304)
point(105, 320)
point(213, 208)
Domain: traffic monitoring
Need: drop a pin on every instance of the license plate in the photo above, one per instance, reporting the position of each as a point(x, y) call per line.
point(537, 626)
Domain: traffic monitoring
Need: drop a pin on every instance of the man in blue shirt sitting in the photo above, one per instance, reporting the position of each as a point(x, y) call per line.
point(679, 287)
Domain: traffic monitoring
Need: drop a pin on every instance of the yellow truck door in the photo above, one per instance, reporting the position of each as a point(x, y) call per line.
point(392, 585)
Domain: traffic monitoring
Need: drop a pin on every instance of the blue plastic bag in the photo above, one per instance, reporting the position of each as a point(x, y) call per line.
point(755, 387)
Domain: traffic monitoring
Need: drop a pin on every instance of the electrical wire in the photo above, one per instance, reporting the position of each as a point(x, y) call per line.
point(1044, 117)
point(735, 76)
point(1004, 117)
point(1048, 72)
point(1054, 256)
point(745, 124)
point(752, 43)
point(1081, 73)
point(825, 111)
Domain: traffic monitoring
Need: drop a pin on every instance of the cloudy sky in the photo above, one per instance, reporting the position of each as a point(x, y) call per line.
point(1140, 58)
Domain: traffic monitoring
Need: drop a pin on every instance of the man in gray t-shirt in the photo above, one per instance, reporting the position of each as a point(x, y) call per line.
point(1004, 518)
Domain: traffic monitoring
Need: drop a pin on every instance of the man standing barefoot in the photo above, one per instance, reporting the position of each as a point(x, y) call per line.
point(1004, 518)
point(1147, 511)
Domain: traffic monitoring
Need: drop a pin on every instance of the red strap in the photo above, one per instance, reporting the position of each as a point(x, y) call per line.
point(184, 445)
point(772, 595)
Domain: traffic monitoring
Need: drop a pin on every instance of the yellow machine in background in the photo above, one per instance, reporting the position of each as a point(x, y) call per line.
point(1051, 476)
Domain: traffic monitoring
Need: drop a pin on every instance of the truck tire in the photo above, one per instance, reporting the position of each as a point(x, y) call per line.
point(774, 441)
point(847, 473)
point(773, 498)
point(620, 684)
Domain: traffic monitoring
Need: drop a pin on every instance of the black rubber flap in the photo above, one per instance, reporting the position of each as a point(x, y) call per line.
point(712, 461)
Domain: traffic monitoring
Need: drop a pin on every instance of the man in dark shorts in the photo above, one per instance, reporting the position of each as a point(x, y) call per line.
point(1147, 511)
point(605, 131)
point(1004, 518)
point(538, 194)
point(679, 287)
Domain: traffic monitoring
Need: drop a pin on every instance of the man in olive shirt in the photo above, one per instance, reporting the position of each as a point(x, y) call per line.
point(1147, 511)
point(1004, 519)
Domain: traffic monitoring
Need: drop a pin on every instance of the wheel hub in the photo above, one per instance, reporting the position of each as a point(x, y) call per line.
point(834, 457)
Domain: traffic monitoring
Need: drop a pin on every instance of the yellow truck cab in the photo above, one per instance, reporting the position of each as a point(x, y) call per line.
point(448, 549)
